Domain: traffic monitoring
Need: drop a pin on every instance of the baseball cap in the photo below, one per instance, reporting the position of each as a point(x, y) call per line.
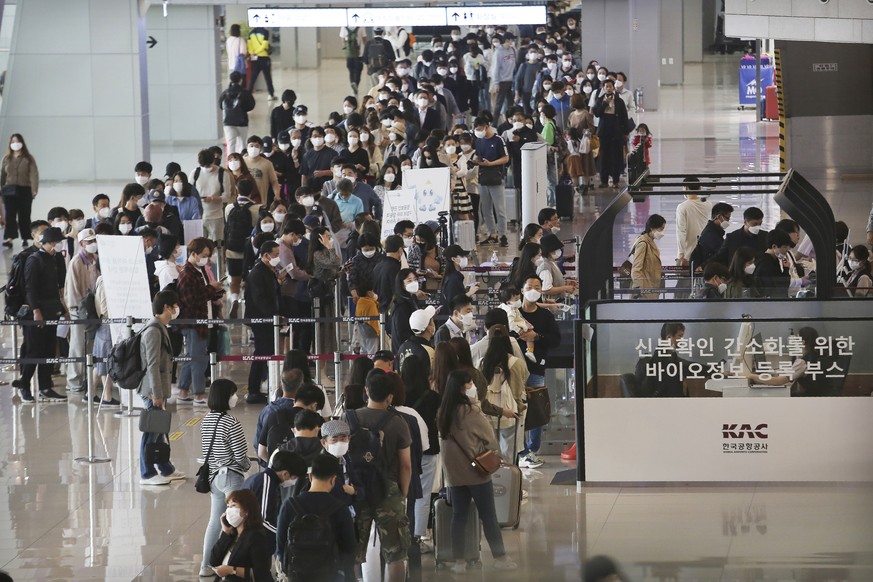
point(334, 428)
point(86, 234)
point(454, 251)
point(420, 319)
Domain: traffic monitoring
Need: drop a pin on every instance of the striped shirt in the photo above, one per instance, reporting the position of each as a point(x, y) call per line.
point(229, 449)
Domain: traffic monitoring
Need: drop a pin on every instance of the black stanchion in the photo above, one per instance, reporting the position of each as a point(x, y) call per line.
point(316, 311)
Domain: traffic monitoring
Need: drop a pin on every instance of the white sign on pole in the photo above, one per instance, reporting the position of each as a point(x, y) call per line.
point(398, 205)
point(296, 17)
point(421, 16)
point(432, 191)
point(479, 15)
point(123, 267)
point(395, 16)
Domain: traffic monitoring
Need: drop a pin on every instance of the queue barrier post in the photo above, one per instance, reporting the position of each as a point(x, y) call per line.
point(15, 347)
point(213, 366)
point(316, 311)
point(130, 412)
point(382, 339)
point(337, 371)
point(89, 370)
point(277, 349)
point(338, 312)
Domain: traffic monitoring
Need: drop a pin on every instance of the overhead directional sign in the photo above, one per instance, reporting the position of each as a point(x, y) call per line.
point(422, 16)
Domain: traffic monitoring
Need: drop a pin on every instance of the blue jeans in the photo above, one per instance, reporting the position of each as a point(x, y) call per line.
point(223, 483)
point(483, 496)
point(533, 437)
point(192, 376)
point(146, 470)
point(422, 506)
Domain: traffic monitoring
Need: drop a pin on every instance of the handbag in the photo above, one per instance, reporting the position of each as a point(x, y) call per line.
point(487, 462)
point(318, 288)
point(9, 191)
point(631, 126)
point(203, 483)
point(155, 420)
point(539, 408)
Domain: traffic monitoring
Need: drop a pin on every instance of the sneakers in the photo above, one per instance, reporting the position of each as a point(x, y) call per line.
point(26, 396)
point(272, 98)
point(504, 563)
point(175, 476)
point(489, 240)
point(354, 88)
point(530, 461)
point(157, 480)
point(112, 402)
point(184, 399)
point(51, 396)
point(200, 402)
point(503, 241)
point(78, 389)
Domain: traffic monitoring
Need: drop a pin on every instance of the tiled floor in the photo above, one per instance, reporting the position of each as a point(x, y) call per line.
point(67, 521)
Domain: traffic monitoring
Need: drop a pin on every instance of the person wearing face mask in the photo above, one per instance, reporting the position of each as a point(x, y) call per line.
point(525, 78)
point(751, 236)
point(476, 71)
point(196, 296)
point(465, 433)
point(582, 132)
point(772, 268)
point(223, 446)
point(712, 236)
point(491, 158)
point(378, 54)
point(58, 217)
point(239, 171)
point(371, 202)
point(554, 284)
point(715, 277)
point(612, 130)
point(185, 198)
point(262, 301)
point(321, 499)
point(349, 206)
point(316, 165)
point(129, 204)
point(213, 184)
point(453, 282)
point(282, 116)
point(501, 73)
point(692, 216)
point(646, 272)
point(284, 471)
point(407, 300)
point(261, 170)
point(157, 360)
point(741, 282)
point(81, 280)
point(460, 324)
point(860, 280)
point(44, 273)
point(397, 146)
point(235, 103)
point(290, 146)
point(670, 384)
point(102, 211)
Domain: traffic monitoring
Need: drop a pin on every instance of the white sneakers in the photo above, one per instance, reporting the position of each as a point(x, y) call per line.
point(159, 479)
point(530, 461)
point(505, 563)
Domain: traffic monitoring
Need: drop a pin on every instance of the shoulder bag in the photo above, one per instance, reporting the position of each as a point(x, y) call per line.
point(487, 462)
point(203, 484)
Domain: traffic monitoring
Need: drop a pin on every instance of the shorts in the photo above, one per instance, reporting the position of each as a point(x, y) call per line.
point(213, 228)
point(235, 267)
point(392, 526)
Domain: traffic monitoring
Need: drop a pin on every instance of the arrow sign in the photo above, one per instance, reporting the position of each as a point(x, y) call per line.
point(355, 17)
point(151, 42)
point(455, 16)
point(256, 18)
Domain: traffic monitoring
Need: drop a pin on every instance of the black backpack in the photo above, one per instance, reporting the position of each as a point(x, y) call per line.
point(124, 363)
point(367, 457)
point(14, 289)
point(378, 56)
point(239, 227)
point(311, 546)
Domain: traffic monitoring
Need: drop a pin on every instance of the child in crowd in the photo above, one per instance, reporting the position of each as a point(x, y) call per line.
point(644, 136)
point(368, 331)
point(511, 298)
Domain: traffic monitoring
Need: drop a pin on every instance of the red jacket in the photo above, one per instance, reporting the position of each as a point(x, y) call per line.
point(194, 294)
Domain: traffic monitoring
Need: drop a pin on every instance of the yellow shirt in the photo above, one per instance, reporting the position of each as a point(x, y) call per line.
point(258, 45)
point(367, 307)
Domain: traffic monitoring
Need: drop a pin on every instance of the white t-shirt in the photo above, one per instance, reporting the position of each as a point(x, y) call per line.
point(207, 185)
point(422, 427)
point(691, 219)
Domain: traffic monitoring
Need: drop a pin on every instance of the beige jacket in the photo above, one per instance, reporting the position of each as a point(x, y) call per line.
point(19, 171)
point(471, 435)
point(646, 270)
point(81, 279)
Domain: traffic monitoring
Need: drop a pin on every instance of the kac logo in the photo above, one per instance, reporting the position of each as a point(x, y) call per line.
point(740, 431)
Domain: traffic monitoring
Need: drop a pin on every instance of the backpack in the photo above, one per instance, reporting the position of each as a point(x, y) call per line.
point(365, 454)
point(220, 177)
point(124, 363)
point(409, 42)
point(352, 48)
point(14, 289)
point(500, 394)
point(239, 227)
point(377, 55)
point(311, 546)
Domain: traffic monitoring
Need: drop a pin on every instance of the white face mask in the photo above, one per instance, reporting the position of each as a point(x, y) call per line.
point(587, 89)
point(92, 248)
point(338, 172)
point(267, 227)
point(284, 146)
point(479, 133)
point(590, 76)
point(365, 137)
point(619, 84)
point(369, 254)
point(411, 287)
point(853, 264)
point(317, 142)
point(451, 149)
point(547, 86)
point(442, 72)
point(231, 402)
point(16, 146)
point(125, 228)
point(233, 165)
point(658, 234)
point(295, 143)
point(471, 393)
point(178, 187)
point(393, 136)
point(141, 180)
point(253, 151)
point(352, 179)
point(353, 141)
point(754, 229)
point(726, 224)
point(462, 262)
point(307, 201)
point(407, 243)
point(466, 147)
point(299, 119)
point(467, 321)
point(722, 287)
point(601, 77)
point(233, 516)
point(142, 202)
point(543, 120)
point(79, 224)
point(347, 109)
point(532, 295)
point(515, 304)
point(288, 483)
point(274, 262)
point(104, 212)
point(556, 255)
point(279, 217)
point(749, 269)
point(389, 177)
point(386, 123)
point(176, 311)
point(329, 138)
point(421, 103)
point(338, 449)
point(453, 70)
point(539, 260)
point(202, 261)
point(62, 224)
point(517, 124)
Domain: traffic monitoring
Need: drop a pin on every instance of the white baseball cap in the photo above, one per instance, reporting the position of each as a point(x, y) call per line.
point(420, 319)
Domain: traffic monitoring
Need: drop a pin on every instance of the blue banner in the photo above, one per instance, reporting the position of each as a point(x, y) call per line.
point(747, 87)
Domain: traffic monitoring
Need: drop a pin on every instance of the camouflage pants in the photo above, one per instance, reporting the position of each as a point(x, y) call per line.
point(392, 527)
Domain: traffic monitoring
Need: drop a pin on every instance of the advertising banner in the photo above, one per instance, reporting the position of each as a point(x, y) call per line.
point(398, 205)
point(748, 88)
point(432, 191)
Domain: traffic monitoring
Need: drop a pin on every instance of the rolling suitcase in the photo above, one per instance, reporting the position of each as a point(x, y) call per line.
point(564, 193)
point(507, 490)
point(442, 534)
point(464, 234)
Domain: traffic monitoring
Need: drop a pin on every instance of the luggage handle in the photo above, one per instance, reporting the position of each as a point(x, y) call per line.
point(514, 438)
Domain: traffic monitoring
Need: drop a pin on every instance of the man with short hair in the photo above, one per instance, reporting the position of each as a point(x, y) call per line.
point(419, 345)
point(101, 205)
point(384, 360)
point(262, 170)
point(309, 397)
point(715, 277)
point(236, 103)
point(501, 74)
point(385, 273)
point(291, 382)
point(156, 354)
point(214, 186)
point(750, 236)
point(549, 220)
point(491, 157)
point(692, 216)
point(315, 167)
point(771, 268)
point(81, 281)
point(712, 236)
point(262, 301)
point(389, 514)
point(284, 472)
point(142, 173)
point(460, 324)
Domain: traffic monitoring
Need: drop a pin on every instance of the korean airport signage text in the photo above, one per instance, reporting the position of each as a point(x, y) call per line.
point(419, 16)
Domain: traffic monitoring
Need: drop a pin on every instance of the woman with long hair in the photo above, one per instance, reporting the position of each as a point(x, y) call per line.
point(323, 264)
point(532, 233)
point(499, 366)
point(185, 198)
point(465, 434)
point(426, 257)
point(741, 282)
point(240, 171)
point(445, 361)
point(19, 185)
point(405, 302)
point(526, 267)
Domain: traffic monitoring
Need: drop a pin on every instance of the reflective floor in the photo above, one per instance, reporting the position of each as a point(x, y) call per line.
point(62, 520)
